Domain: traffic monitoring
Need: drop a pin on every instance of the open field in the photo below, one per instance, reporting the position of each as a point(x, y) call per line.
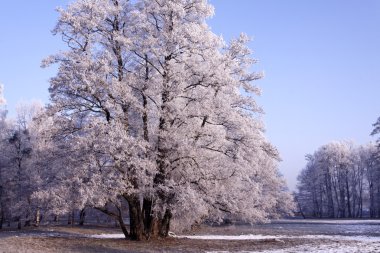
point(280, 236)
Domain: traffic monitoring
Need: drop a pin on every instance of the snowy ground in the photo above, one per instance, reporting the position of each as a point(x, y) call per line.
point(282, 236)
point(337, 244)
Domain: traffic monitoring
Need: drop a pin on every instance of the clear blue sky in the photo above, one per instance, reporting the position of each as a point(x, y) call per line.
point(321, 60)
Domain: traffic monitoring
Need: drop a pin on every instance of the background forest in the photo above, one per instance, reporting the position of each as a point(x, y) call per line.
point(341, 180)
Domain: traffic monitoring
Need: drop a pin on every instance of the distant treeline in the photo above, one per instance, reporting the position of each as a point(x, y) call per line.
point(341, 180)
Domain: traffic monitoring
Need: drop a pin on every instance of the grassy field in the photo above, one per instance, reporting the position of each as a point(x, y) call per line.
point(282, 236)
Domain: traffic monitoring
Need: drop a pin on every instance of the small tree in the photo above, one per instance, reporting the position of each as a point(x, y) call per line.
point(2, 99)
point(3, 130)
point(17, 172)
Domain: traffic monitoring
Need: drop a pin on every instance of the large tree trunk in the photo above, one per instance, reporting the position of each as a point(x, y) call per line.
point(148, 219)
point(165, 223)
point(143, 224)
point(136, 226)
point(160, 227)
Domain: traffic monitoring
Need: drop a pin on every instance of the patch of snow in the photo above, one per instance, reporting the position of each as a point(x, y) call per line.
point(327, 221)
point(279, 237)
point(359, 238)
point(108, 236)
point(332, 248)
point(336, 247)
point(229, 237)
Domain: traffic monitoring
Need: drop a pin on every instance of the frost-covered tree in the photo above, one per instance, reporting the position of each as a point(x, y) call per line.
point(376, 126)
point(2, 99)
point(368, 159)
point(149, 107)
point(3, 130)
point(17, 168)
point(309, 195)
point(26, 114)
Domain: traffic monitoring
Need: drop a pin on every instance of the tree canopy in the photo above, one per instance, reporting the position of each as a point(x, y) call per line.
point(152, 112)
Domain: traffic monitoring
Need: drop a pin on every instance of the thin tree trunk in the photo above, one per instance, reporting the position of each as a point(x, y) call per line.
point(70, 220)
point(378, 201)
point(27, 222)
point(371, 201)
point(1, 206)
point(348, 197)
point(123, 227)
point(37, 218)
point(27, 219)
point(118, 219)
point(300, 208)
point(82, 216)
point(330, 201)
point(361, 198)
point(1, 217)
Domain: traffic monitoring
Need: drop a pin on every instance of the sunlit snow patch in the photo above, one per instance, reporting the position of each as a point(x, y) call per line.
point(108, 236)
point(229, 237)
point(278, 237)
